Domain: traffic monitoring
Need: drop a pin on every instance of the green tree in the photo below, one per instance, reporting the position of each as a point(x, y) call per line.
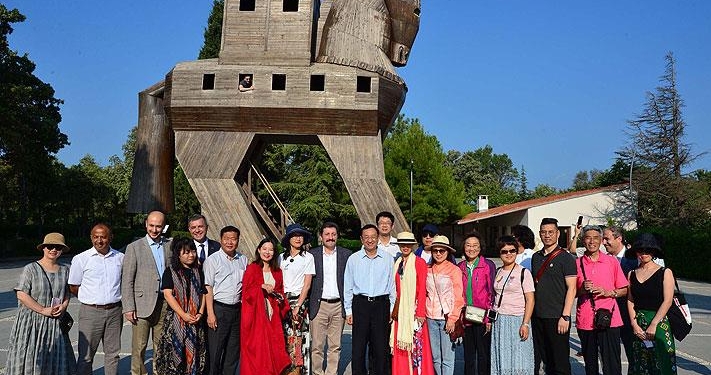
point(523, 192)
point(544, 190)
point(29, 133)
point(213, 32)
point(308, 184)
point(437, 196)
point(485, 173)
point(660, 155)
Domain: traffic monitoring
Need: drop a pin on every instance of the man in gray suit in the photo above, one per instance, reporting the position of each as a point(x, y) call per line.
point(143, 303)
point(326, 300)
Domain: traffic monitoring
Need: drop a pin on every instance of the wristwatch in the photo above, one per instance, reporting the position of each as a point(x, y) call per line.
point(565, 317)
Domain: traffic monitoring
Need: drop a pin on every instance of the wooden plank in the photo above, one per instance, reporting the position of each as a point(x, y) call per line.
point(152, 176)
point(212, 154)
point(275, 120)
point(359, 160)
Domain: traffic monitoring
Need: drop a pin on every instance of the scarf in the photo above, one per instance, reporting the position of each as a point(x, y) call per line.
point(406, 307)
point(185, 336)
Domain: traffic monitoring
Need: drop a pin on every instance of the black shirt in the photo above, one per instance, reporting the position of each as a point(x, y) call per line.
point(551, 288)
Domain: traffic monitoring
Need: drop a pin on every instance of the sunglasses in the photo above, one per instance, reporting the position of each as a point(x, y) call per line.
point(428, 235)
point(435, 251)
point(54, 247)
point(512, 251)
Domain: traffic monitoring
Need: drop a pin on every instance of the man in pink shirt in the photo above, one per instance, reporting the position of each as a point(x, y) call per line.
point(600, 281)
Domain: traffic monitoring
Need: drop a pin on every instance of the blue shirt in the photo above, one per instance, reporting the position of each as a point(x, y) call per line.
point(367, 276)
point(157, 250)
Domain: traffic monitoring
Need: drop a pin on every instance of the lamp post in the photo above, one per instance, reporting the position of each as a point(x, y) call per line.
point(412, 166)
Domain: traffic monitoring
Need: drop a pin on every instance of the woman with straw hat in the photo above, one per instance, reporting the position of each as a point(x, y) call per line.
point(37, 343)
point(444, 304)
point(409, 336)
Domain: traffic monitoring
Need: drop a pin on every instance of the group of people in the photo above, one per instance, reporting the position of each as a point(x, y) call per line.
point(209, 309)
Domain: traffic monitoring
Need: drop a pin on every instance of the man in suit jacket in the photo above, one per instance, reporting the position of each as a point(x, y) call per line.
point(197, 226)
point(326, 300)
point(143, 305)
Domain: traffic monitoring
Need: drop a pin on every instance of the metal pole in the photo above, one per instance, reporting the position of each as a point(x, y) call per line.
point(412, 163)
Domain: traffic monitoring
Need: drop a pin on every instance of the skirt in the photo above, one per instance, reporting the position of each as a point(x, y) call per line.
point(510, 355)
point(660, 359)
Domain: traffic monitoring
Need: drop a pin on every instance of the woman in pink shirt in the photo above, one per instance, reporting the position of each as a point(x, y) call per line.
point(511, 342)
point(444, 297)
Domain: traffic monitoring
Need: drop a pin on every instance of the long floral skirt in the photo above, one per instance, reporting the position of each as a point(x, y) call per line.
point(660, 359)
point(297, 337)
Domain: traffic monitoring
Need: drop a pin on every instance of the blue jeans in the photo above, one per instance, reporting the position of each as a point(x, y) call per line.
point(442, 348)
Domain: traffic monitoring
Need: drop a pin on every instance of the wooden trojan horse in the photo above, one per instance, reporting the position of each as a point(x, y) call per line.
point(323, 73)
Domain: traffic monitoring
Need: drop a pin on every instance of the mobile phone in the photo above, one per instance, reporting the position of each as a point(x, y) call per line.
point(580, 220)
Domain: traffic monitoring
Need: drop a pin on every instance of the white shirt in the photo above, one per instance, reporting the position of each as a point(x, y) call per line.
point(294, 270)
point(203, 249)
point(391, 247)
point(224, 274)
point(98, 276)
point(330, 279)
point(524, 259)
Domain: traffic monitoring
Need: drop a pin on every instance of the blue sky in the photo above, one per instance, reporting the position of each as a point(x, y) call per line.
point(550, 83)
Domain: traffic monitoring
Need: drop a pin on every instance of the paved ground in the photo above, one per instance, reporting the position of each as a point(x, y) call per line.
point(693, 355)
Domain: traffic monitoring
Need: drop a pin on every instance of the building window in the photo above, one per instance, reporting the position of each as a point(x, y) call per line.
point(246, 5)
point(291, 5)
point(208, 81)
point(318, 82)
point(278, 82)
point(363, 84)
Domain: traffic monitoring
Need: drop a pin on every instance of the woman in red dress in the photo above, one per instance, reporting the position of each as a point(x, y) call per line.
point(262, 343)
point(409, 337)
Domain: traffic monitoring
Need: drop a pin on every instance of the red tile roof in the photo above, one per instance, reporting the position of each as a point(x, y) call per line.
point(524, 205)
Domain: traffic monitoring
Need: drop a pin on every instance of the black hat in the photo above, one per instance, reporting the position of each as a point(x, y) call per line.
point(430, 228)
point(648, 242)
point(293, 229)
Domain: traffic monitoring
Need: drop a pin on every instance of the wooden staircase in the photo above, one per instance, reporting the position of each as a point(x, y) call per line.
point(276, 226)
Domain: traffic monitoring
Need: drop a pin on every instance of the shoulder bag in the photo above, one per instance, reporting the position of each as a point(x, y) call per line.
point(679, 315)
point(65, 321)
point(541, 270)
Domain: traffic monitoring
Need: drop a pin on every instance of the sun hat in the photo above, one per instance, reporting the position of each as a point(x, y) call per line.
point(646, 241)
point(441, 242)
point(406, 238)
point(53, 238)
point(293, 229)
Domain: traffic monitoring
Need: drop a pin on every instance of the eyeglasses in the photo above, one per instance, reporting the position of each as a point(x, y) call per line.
point(428, 235)
point(512, 251)
point(435, 251)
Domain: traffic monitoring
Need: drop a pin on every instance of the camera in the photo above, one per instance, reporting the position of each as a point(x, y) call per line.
point(492, 315)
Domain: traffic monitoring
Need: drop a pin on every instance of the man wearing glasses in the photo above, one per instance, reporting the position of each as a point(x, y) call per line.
point(386, 242)
point(369, 298)
point(555, 273)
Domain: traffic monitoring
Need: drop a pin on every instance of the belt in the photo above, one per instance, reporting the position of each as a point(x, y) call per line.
point(234, 306)
point(384, 297)
point(103, 307)
point(332, 300)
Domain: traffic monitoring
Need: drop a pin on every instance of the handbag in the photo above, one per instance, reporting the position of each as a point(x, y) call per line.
point(458, 331)
point(679, 315)
point(65, 321)
point(603, 317)
point(474, 314)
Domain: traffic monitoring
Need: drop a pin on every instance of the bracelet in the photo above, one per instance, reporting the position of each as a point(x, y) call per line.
point(528, 325)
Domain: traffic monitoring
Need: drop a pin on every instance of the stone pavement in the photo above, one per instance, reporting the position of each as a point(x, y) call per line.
point(693, 355)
